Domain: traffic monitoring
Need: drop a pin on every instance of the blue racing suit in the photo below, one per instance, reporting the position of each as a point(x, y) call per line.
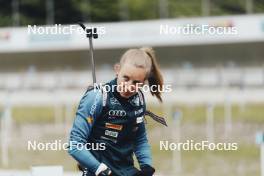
point(104, 117)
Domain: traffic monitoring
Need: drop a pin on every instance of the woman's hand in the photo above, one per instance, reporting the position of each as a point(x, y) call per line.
point(103, 170)
point(146, 170)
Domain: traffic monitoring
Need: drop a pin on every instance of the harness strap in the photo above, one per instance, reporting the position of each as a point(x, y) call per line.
point(157, 118)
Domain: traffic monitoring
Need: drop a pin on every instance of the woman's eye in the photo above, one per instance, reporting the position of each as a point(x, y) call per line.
point(126, 78)
point(135, 82)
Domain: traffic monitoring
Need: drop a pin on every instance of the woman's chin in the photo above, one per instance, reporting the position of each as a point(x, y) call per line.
point(126, 95)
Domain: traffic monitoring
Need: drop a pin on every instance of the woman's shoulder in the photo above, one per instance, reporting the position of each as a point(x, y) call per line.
point(91, 95)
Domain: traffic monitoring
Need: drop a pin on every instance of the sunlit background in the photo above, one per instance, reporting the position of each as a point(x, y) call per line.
point(217, 80)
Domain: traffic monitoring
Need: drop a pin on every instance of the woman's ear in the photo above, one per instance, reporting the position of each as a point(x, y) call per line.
point(117, 68)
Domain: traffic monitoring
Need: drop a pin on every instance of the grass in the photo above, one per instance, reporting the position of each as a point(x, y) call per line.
point(196, 114)
point(38, 115)
point(246, 158)
point(33, 115)
point(20, 159)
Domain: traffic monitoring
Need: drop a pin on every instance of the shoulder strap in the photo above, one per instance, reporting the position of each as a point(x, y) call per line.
point(141, 97)
point(104, 92)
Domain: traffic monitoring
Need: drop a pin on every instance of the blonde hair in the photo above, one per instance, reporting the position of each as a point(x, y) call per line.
point(145, 58)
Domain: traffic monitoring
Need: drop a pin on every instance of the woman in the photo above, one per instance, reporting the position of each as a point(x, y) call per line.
point(114, 119)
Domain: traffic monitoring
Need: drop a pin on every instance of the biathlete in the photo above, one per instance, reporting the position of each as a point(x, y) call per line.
point(115, 117)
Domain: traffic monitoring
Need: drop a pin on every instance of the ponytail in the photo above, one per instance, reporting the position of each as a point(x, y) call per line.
point(155, 78)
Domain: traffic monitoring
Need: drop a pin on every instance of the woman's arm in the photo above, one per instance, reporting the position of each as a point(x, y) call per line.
point(89, 109)
point(141, 146)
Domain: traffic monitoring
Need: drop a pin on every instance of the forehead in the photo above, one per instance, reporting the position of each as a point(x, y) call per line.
point(133, 72)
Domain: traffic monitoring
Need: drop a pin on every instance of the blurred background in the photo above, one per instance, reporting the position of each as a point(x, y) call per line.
point(217, 80)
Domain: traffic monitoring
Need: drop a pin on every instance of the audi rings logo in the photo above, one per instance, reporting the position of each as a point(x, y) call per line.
point(118, 113)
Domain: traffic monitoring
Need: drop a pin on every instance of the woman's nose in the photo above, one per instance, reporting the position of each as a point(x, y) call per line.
point(127, 83)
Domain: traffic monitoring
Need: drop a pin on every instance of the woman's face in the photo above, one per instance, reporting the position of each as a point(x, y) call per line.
point(129, 79)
